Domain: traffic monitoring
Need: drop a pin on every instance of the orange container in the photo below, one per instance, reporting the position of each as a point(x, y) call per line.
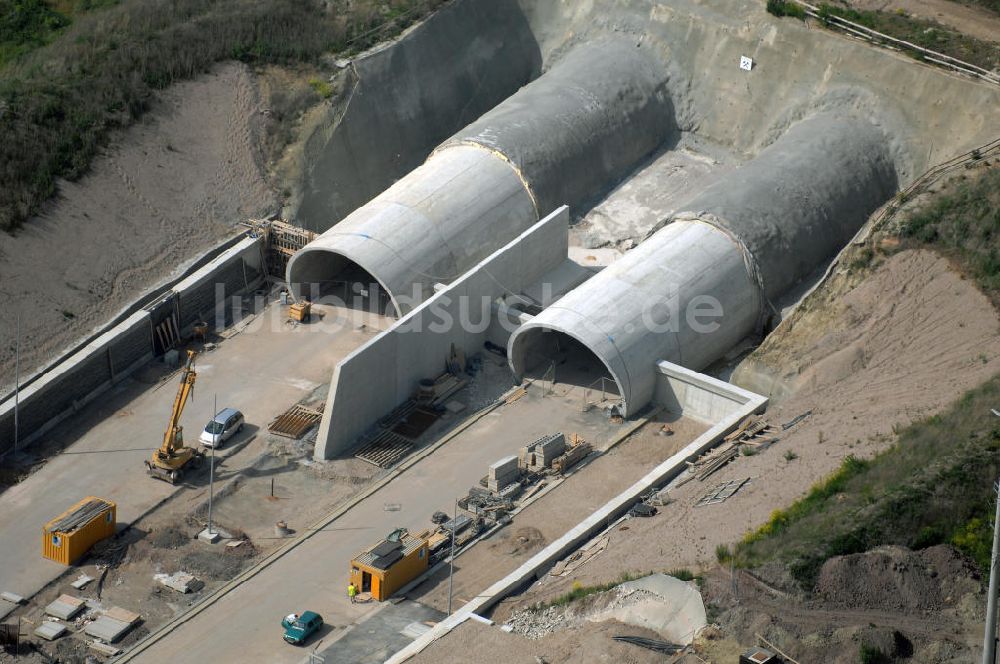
point(71, 534)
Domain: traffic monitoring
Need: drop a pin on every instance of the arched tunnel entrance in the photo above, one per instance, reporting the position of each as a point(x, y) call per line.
point(320, 275)
point(544, 354)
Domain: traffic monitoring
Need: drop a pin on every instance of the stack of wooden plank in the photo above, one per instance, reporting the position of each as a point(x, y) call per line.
point(572, 456)
point(446, 385)
point(746, 434)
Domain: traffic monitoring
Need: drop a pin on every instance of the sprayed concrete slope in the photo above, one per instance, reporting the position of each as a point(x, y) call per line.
point(561, 139)
point(695, 288)
point(407, 98)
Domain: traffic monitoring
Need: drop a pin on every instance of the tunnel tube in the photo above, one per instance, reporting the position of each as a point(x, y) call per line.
point(700, 284)
point(563, 138)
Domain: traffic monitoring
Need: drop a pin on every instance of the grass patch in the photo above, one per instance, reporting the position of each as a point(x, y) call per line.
point(68, 79)
point(579, 591)
point(321, 88)
point(923, 33)
point(965, 223)
point(933, 486)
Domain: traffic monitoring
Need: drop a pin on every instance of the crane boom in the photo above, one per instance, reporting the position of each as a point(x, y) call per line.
point(173, 437)
point(172, 458)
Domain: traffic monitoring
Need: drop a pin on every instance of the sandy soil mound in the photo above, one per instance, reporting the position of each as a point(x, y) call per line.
point(896, 579)
point(167, 190)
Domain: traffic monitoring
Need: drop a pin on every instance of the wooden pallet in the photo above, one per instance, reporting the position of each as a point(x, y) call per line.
point(385, 449)
point(295, 421)
point(721, 492)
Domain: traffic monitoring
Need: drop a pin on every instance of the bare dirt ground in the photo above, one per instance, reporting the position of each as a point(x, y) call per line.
point(925, 606)
point(973, 21)
point(165, 191)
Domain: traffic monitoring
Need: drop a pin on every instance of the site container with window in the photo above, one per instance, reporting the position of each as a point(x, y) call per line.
point(389, 565)
point(71, 534)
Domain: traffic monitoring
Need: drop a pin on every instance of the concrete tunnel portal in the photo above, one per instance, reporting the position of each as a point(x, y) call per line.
point(747, 239)
point(562, 139)
point(548, 354)
point(579, 128)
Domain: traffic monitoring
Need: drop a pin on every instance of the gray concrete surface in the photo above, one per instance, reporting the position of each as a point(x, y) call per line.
point(262, 371)
point(705, 281)
point(242, 625)
point(406, 99)
point(385, 372)
point(563, 139)
point(804, 196)
point(588, 121)
point(379, 636)
point(671, 607)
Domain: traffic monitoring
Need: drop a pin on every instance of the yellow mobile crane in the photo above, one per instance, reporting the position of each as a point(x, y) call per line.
point(173, 457)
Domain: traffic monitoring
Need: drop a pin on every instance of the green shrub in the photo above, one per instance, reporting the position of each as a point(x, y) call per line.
point(873, 655)
point(682, 574)
point(934, 485)
point(60, 101)
point(786, 8)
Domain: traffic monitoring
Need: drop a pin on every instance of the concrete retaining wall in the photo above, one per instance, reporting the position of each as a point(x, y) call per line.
point(696, 391)
point(68, 385)
point(384, 372)
point(680, 390)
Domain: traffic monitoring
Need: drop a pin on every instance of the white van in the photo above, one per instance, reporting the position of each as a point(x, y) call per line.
point(222, 427)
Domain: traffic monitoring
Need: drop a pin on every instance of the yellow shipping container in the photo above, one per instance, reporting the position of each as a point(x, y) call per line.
point(71, 534)
point(390, 565)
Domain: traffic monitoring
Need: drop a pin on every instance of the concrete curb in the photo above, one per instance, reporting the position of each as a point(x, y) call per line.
point(278, 553)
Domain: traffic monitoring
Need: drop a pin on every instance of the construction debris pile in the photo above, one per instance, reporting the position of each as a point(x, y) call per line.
point(82, 618)
point(748, 436)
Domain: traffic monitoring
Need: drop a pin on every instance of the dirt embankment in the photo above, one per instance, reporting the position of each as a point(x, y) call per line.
point(867, 356)
point(914, 606)
point(167, 190)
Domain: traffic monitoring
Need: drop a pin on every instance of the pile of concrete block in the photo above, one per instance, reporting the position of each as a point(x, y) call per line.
point(502, 474)
point(541, 453)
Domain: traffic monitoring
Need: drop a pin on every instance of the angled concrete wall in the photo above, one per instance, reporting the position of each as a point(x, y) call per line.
point(695, 288)
point(385, 372)
point(564, 138)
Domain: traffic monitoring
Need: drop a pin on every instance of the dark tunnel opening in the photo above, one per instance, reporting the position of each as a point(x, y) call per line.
point(331, 278)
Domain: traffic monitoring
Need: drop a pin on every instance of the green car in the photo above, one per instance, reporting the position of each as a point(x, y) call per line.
point(300, 628)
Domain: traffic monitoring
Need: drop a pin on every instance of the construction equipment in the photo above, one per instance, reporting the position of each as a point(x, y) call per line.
point(169, 462)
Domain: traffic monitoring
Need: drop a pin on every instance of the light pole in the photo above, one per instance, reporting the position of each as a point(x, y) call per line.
point(17, 381)
point(451, 568)
point(990, 638)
